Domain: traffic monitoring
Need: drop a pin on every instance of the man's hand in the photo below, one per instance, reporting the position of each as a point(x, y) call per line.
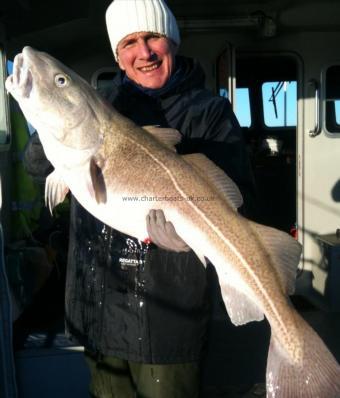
point(163, 234)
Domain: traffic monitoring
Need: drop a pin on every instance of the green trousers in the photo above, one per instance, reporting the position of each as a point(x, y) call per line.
point(116, 378)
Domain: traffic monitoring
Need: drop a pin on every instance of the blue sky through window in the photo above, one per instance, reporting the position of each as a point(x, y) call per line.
point(9, 67)
point(279, 103)
point(337, 112)
point(243, 107)
point(275, 114)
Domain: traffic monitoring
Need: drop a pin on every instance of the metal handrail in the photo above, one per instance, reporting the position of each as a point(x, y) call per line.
point(317, 127)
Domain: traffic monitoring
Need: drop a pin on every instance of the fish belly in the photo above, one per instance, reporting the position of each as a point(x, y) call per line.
point(123, 210)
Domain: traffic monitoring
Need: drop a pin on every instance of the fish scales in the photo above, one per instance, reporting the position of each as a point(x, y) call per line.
point(257, 270)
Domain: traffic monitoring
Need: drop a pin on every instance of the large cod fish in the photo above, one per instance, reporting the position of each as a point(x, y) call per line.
point(104, 159)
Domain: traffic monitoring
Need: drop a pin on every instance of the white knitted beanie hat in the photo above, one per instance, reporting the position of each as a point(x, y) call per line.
point(124, 17)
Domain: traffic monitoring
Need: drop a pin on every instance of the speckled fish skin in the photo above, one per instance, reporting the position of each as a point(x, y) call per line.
point(103, 158)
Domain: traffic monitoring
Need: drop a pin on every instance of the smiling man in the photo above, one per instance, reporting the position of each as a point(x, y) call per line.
point(141, 309)
point(146, 340)
point(144, 38)
point(147, 58)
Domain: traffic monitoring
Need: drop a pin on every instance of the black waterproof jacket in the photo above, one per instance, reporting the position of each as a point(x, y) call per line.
point(136, 301)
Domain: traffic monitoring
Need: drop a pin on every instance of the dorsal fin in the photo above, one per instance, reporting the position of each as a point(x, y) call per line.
point(215, 176)
point(168, 136)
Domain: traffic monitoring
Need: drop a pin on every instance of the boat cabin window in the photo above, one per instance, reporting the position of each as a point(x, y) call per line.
point(102, 78)
point(266, 107)
point(4, 133)
point(279, 103)
point(333, 99)
point(242, 110)
point(242, 106)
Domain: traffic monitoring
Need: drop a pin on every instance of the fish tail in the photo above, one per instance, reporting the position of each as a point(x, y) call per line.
point(316, 375)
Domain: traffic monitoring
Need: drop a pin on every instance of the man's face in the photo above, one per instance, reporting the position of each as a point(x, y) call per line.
point(147, 58)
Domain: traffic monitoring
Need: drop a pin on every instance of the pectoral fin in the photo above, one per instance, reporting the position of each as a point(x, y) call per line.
point(55, 190)
point(97, 179)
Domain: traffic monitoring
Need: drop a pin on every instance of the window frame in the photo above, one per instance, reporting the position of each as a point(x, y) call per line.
point(4, 104)
point(96, 74)
point(279, 127)
point(323, 98)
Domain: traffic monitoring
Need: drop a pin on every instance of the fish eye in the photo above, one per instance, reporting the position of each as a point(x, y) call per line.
point(61, 80)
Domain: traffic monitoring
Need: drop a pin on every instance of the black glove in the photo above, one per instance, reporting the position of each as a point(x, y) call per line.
point(163, 234)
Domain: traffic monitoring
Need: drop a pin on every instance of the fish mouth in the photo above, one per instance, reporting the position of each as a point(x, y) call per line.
point(20, 81)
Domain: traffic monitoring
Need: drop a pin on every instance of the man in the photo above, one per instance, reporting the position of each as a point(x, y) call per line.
point(141, 309)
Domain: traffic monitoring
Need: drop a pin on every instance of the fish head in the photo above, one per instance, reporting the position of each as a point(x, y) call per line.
point(64, 109)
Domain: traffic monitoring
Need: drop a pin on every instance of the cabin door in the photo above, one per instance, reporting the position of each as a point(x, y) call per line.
point(319, 192)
